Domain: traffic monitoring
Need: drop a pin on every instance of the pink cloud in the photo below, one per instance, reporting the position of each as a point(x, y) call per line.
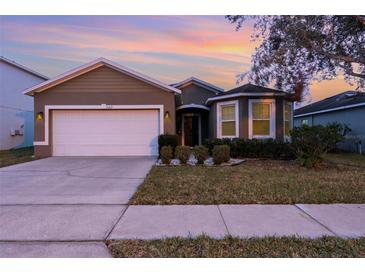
point(221, 44)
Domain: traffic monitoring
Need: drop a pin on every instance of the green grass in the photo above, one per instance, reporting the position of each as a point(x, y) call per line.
point(351, 159)
point(16, 156)
point(230, 247)
point(253, 182)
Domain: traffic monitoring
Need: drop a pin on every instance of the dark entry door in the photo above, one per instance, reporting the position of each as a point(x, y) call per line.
point(191, 130)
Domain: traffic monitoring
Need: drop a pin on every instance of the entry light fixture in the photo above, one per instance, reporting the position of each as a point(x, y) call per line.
point(167, 115)
point(39, 116)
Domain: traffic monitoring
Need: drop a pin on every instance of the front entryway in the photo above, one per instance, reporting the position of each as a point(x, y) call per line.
point(192, 125)
point(191, 129)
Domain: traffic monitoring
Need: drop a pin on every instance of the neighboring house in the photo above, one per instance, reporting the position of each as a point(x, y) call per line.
point(346, 108)
point(16, 109)
point(103, 108)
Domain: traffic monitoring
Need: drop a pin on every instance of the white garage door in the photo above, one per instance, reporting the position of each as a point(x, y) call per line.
point(105, 132)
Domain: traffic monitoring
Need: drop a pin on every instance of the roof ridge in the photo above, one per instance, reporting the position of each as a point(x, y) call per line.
point(72, 73)
point(198, 80)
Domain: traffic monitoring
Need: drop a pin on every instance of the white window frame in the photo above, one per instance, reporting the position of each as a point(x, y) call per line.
point(287, 137)
point(219, 119)
point(272, 119)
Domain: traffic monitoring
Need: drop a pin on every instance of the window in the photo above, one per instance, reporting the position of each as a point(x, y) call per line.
point(287, 118)
point(305, 122)
point(262, 118)
point(227, 119)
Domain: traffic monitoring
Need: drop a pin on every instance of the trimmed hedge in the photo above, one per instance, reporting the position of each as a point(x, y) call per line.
point(220, 154)
point(254, 148)
point(166, 154)
point(168, 140)
point(201, 153)
point(182, 153)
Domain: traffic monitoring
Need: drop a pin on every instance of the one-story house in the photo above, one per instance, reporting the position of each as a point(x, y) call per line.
point(346, 108)
point(16, 110)
point(105, 109)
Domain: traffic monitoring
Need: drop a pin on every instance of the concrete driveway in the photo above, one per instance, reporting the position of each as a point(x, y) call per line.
point(65, 199)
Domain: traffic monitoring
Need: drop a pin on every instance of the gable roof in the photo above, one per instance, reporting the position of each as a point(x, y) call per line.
point(248, 90)
point(24, 68)
point(198, 82)
point(344, 100)
point(94, 65)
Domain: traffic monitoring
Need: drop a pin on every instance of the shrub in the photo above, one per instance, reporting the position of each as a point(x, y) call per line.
point(221, 154)
point(334, 134)
point(166, 154)
point(277, 149)
point(211, 143)
point(168, 140)
point(201, 153)
point(310, 143)
point(238, 147)
point(255, 148)
point(182, 153)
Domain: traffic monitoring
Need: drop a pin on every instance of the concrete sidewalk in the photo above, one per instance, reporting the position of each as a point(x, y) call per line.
point(80, 231)
point(310, 221)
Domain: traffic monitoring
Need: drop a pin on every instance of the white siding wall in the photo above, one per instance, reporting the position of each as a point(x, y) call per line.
point(16, 109)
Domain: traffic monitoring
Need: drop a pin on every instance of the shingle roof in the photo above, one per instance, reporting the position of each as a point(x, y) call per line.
point(200, 82)
point(250, 88)
point(345, 99)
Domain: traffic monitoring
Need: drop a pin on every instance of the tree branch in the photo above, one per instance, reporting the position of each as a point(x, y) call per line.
point(319, 49)
point(348, 70)
point(359, 75)
point(344, 58)
point(361, 19)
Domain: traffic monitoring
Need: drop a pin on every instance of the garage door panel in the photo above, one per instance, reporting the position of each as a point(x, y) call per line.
point(109, 126)
point(108, 150)
point(126, 139)
point(110, 134)
point(105, 132)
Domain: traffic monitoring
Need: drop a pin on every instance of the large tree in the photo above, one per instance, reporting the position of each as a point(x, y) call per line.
point(297, 50)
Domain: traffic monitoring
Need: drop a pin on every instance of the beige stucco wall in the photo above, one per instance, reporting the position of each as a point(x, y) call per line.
point(100, 86)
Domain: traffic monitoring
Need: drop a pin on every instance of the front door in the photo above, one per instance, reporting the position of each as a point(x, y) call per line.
point(191, 130)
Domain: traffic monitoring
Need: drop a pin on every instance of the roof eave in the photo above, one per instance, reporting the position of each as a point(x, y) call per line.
point(244, 94)
point(202, 83)
point(328, 110)
point(91, 66)
point(24, 68)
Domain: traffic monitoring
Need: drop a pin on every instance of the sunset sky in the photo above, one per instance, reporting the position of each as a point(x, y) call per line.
point(168, 48)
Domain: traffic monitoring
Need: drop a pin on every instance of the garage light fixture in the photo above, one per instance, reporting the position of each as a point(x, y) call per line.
point(167, 115)
point(39, 116)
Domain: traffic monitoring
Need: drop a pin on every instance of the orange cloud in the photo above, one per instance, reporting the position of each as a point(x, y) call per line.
point(228, 46)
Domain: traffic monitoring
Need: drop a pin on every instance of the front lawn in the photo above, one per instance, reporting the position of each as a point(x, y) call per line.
point(16, 156)
point(352, 159)
point(230, 247)
point(253, 182)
